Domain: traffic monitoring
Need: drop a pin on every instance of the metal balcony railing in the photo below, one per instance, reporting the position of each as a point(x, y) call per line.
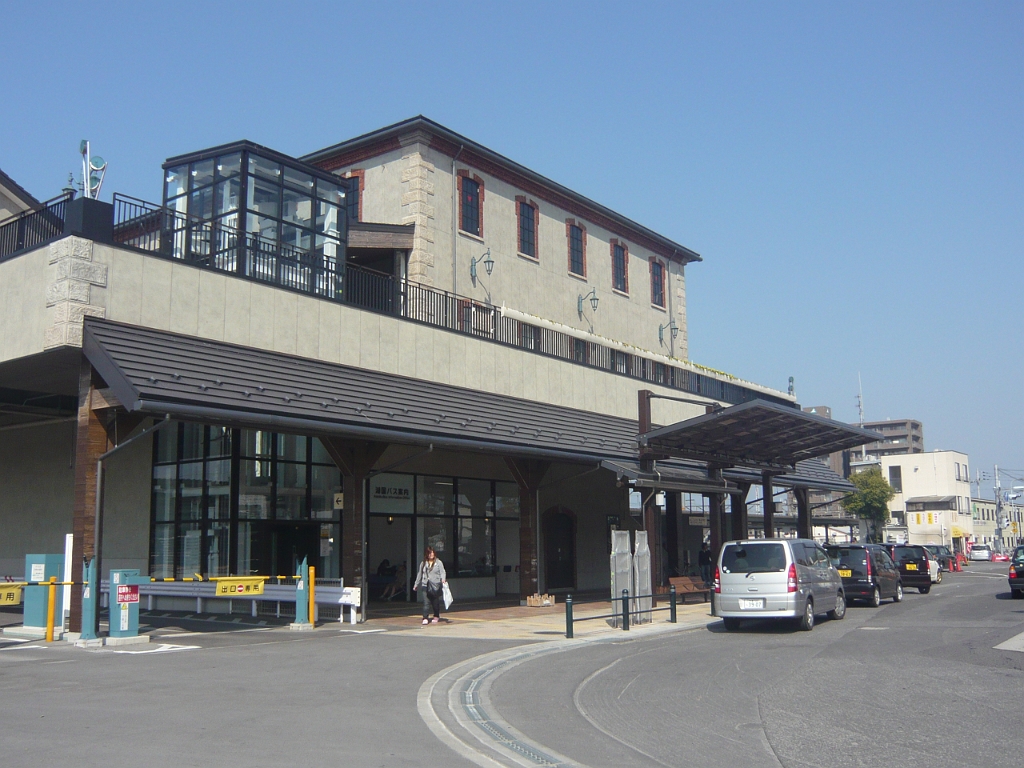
point(33, 227)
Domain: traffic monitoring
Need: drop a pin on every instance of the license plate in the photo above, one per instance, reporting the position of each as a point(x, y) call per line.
point(747, 605)
point(845, 573)
point(911, 566)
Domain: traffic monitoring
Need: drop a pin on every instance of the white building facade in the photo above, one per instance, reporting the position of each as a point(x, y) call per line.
point(933, 497)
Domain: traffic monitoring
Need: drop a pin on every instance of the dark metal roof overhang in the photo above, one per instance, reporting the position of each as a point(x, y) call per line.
point(158, 372)
point(692, 477)
point(757, 434)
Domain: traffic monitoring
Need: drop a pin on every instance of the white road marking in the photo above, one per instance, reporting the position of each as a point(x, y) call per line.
point(1015, 643)
point(866, 629)
point(176, 635)
point(163, 648)
point(22, 647)
point(361, 631)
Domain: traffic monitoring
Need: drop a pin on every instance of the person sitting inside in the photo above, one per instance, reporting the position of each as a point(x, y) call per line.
point(396, 587)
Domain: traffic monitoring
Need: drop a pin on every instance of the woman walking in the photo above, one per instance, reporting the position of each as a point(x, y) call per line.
point(431, 577)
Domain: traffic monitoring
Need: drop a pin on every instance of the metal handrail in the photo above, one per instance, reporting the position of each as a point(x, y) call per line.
point(623, 614)
point(33, 227)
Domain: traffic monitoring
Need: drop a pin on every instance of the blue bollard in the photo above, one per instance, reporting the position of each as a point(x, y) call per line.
point(302, 597)
point(568, 616)
point(90, 602)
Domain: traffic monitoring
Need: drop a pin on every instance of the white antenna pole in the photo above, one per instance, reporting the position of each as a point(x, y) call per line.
point(860, 411)
point(85, 169)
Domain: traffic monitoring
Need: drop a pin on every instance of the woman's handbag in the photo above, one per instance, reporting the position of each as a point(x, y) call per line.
point(447, 596)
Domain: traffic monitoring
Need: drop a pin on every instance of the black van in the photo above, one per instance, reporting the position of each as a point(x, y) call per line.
point(867, 571)
point(913, 562)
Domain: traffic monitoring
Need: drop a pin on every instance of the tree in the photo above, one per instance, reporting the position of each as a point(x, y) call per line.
point(870, 501)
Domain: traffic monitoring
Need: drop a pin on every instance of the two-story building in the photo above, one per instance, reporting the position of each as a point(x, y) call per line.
point(405, 339)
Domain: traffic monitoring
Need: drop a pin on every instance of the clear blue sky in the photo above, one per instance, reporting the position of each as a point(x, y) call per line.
point(852, 174)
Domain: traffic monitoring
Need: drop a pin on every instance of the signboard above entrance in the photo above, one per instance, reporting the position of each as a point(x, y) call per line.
point(391, 494)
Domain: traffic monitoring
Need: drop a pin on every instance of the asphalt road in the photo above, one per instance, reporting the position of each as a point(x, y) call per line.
point(914, 684)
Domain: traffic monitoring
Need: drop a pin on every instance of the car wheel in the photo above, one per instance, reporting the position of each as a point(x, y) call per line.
point(925, 590)
point(839, 611)
point(876, 598)
point(1017, 594)
point(898, 597)
point(807, 620)
point(731, 625)
point(938, 577)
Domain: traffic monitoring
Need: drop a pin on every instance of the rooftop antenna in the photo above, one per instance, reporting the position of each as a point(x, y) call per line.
point(860, 413)
point(94, 169)
point(792, 388)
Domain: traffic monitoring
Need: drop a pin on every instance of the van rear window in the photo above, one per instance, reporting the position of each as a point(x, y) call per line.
point(903, 554)
point(754, 558)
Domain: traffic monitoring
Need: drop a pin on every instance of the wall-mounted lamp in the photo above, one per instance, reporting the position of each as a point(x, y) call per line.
point(487, 261)
point(671, 326)
point(593, 301)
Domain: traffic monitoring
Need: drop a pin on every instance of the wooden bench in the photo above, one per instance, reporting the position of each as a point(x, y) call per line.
point(688, 585)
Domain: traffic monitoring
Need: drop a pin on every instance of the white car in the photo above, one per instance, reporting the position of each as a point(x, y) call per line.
point(981, 552)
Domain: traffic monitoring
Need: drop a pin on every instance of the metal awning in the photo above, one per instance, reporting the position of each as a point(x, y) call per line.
point(692, 477)
point(756, 434)
point(159, 372)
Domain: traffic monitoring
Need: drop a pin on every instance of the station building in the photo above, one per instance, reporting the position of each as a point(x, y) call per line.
point(400, 340)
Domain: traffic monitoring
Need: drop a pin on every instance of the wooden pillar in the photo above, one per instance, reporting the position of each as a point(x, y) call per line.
point(768, 504)
point(528, 474)
point(90, 443)
point(804, 529)
point(738, 506)
point(672, 533)
point(355, 459)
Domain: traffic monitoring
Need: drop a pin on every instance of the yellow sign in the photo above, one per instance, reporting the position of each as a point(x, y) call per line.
point(10, 595)
point(239, 586)
point(1013, 527)
point(957, 532)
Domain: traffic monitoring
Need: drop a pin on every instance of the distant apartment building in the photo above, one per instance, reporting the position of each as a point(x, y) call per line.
point(932, 504)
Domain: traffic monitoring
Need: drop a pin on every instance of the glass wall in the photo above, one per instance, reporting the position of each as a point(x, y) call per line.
point(290, 216)
point(459, 517)
point(233, 502)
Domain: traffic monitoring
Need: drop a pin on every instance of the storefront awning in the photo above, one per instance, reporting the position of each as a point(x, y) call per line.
point(692, 477)
point(158, 372)
point(756, 434)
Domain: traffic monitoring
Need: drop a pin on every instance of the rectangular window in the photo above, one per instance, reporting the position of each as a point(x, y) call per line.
point(657, 283)
point(580, 351)
point(896, 479)
point(620, 268)
point(577, 264)
point(470, 207)
point(957, 465)
point(527, 229)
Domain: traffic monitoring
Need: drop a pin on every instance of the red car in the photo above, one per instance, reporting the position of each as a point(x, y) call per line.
point(1000, 557)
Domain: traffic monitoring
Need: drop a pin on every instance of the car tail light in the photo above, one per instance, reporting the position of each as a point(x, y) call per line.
point(718, 581)
point(1013, 572)
point(868, 561)
point(791, 582)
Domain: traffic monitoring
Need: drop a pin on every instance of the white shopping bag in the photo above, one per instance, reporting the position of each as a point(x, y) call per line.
point(447, 596)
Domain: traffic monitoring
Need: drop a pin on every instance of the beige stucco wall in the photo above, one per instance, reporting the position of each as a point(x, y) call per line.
point(415, 184)
point(44, 295)
point(932, 474)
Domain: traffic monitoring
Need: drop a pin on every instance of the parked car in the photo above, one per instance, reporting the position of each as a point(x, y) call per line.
point(868, 573)
point(776, 579)
point(946, 559)
point(981, 552)
point(1016, 577)
point(917, 568)
point(1000, 557)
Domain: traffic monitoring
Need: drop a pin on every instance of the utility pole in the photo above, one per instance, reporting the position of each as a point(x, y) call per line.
point(999, 512)
point(860, 412)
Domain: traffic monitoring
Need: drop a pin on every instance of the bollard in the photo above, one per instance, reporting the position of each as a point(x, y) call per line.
point(625, 610)
point(672, 604)
point(302, 597)
point(568, 616)
point(50, 604)
point(312, 595)
point(90, 602)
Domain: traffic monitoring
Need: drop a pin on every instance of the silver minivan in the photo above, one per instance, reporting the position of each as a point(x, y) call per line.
point(776, 579)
